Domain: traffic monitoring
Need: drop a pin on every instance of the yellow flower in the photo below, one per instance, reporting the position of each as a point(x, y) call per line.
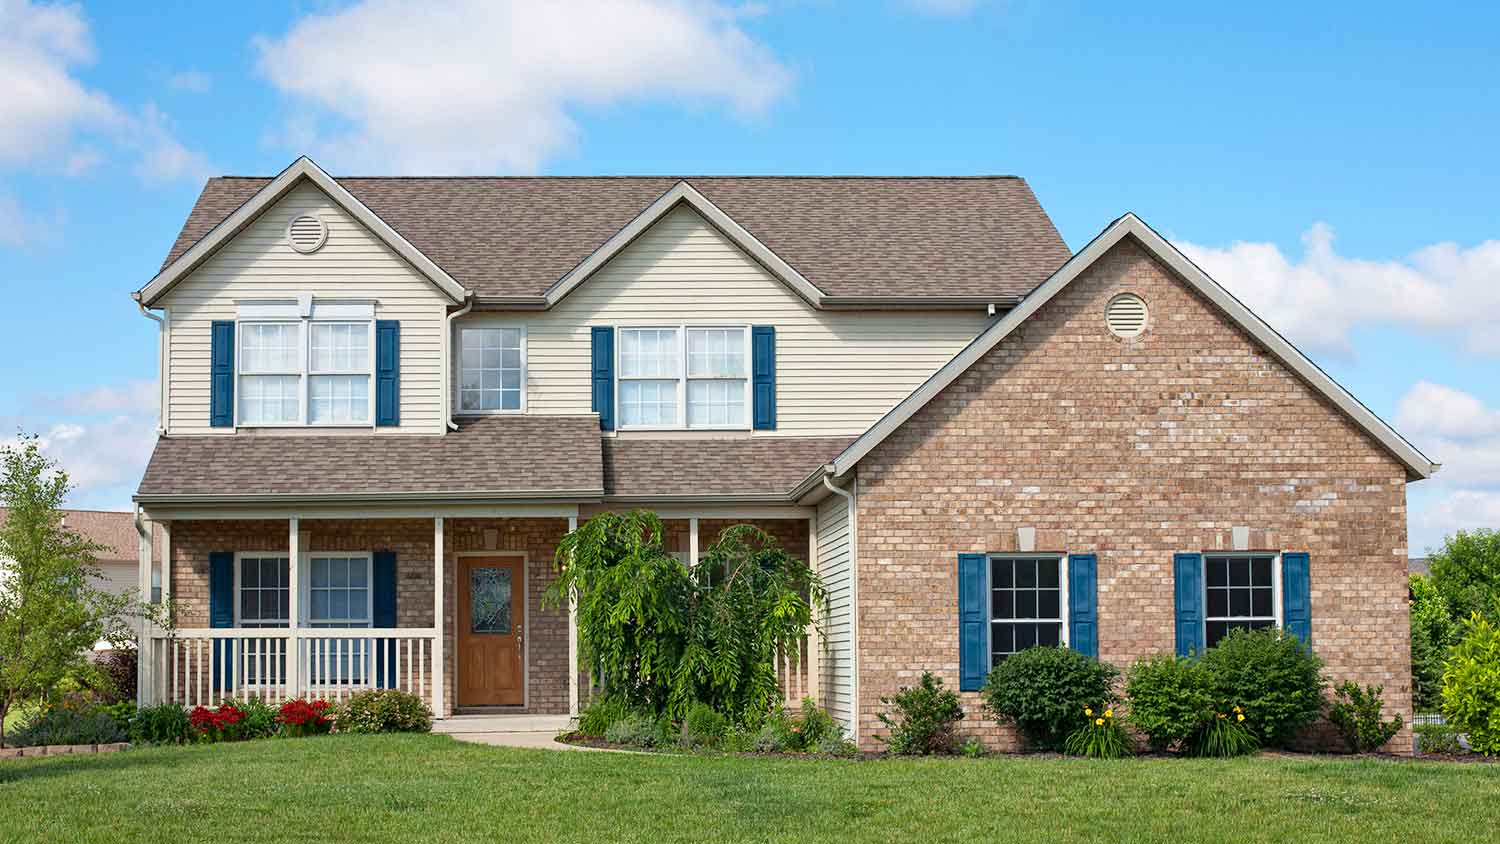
point(1088, 711)
point(1221, 715)
point(1237, 708)
point(1109, 713)
point(1241, 717)
point(1098, 722)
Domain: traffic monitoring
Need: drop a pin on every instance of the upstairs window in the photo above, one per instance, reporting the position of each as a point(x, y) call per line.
point(306, 372)
point(684, 377)
point(491, 370)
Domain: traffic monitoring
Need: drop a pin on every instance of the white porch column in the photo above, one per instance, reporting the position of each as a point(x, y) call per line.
point(438, 657)
point(146, 653)
point(693, 542)
point(814, 642)
point(294, 606)
point(572, 639)
point(160, 668)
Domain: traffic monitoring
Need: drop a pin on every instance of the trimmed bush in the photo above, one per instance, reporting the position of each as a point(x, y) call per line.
point(703, 726)
point(1355, 713)
point(1471, 686)
point(926, 717)
point(595, 718)
point(67, 725)
point(1272, 676)
point(383, 711)
point(165, 723)
point(1044, 691)
point(1169, 700)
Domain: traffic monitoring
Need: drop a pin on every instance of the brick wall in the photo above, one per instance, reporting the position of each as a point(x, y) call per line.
point(1133, 450)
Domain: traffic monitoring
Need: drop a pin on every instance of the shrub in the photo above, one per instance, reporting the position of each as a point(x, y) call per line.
point(115, 680)
point(1355, 713)
point(1224, 735)
point(973, 748)
point(704, 726)
point(260, 719)
point(641, 730)
point(1044, 691)
point(1432, 634)
point(384, 711)
point(1471, 685)
point(926, 717)
point(226, 722)
point(777, 734)
point(600, 713)
point(165, 723)
point(1436, 739)
point(835, 747)
point(123, 712)
point(1169, 699)
point(68, 725)
point(1101, 736)
point(812, 725)
point(299, 717)
point(1272, 676)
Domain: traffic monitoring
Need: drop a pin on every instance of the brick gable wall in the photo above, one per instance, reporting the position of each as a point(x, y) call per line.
point(1133, 450)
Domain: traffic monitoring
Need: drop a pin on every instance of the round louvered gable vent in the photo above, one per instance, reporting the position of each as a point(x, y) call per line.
point(307, 233)
point(1126, 315)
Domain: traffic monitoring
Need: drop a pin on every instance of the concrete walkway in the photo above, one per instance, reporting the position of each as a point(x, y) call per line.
point(528, 739)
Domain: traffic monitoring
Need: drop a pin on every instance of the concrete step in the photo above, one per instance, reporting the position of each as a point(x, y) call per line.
point(501, 723)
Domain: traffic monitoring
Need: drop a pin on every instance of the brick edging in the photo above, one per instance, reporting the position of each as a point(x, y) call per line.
point(60, 750)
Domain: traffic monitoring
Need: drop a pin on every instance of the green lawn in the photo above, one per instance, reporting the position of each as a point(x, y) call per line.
point(432, 788)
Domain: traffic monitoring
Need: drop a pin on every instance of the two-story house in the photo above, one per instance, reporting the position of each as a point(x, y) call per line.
point(384, 400)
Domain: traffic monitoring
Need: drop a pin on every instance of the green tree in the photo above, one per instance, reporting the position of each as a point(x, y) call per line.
point(50, 612)
point(1433, 632)
point(1466, 572)
point(663, 636)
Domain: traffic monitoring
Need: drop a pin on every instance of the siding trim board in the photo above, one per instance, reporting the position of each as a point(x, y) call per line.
point(1418, 466)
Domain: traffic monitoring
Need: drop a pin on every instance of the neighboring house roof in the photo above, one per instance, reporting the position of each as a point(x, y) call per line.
point(743, 468)
point(503, 457)
point(115, 530)
point(852, 238)
point(1416, 463)
point(1419, 565)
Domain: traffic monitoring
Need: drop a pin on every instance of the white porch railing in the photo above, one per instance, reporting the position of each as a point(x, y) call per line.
point(202, 667)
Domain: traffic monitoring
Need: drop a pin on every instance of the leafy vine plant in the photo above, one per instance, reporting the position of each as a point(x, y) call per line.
point(665, 635)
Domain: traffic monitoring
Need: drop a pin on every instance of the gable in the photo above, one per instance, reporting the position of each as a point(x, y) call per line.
point(1127, 233)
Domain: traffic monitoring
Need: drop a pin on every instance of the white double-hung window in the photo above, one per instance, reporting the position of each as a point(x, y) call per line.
point(684, 377)
point(305, 372)
point(492, 369)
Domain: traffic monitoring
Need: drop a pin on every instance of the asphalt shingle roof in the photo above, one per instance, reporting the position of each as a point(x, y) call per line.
point(759, 465)
point(497, 454)
point(849, 236)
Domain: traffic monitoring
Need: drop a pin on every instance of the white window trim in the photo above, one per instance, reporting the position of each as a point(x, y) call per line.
point(304, 353)
point(1276, 607)
point(304, 564)
point(682, 378)
point(989, 591)
point(458, 366)
point(240, 555)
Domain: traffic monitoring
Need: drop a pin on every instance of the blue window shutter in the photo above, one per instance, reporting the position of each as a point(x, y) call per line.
point(221, 612)
point(1083, 612)
point(1188, 574)
point(387, 372)
point(763, 388)
point(383, 614)
point(1296, 595)
point(973, 656)
point(221, 374)
point(603, 379)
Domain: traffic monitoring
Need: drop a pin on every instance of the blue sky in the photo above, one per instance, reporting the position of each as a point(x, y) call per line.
point(1333, 167)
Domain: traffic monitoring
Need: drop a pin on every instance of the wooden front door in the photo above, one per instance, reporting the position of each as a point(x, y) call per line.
point(491, 625)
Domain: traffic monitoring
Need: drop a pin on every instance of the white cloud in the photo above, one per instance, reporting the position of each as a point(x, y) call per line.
point(1316, 300)
point(1459, 430)
point(1446, 412)
point(49, 120)
point(404, 86)
point(136, 397)
point(192, 81)
point(104, 460)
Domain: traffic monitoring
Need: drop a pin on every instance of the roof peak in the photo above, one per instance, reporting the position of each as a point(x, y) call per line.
point(667, 176)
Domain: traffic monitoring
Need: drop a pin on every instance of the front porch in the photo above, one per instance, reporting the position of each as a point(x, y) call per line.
point(323, 604)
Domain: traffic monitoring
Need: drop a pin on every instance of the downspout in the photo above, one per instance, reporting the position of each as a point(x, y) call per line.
point(448, 363)
point(161, 380)
point(853, 600)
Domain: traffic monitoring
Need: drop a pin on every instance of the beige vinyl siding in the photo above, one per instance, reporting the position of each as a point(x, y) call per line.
point(837, 371)
point(259, 264)
point(836, 665)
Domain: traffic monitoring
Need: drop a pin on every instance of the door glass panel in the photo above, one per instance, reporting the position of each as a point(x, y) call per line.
point(489, 600)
